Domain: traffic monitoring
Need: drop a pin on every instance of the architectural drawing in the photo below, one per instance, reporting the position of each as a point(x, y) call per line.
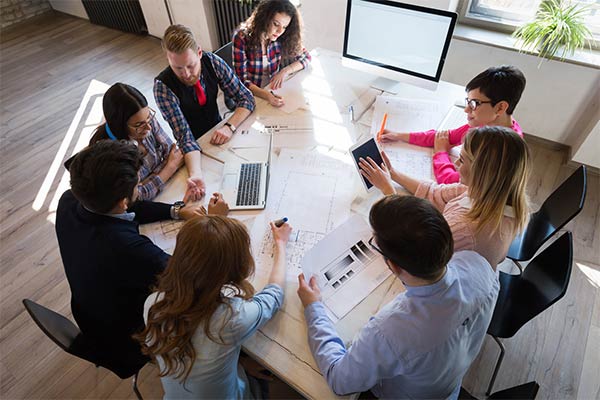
point(163, 233)
point(314, 190)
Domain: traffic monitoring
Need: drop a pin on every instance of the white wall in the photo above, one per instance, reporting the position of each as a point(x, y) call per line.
point(200, 17)
point(556, 105)
point(324, 20)
point(555, 95)
point(589, 152)
point(156, 16)
point(73, 7)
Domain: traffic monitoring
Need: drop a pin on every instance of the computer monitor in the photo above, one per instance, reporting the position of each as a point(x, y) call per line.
point(397, 41)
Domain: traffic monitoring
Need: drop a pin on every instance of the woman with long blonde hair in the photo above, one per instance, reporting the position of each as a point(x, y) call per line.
point(489, 206)
point(204, 308)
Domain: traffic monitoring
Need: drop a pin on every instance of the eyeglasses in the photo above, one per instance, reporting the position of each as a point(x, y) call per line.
point(377, 249)
point(474, 103)
point(140, 125)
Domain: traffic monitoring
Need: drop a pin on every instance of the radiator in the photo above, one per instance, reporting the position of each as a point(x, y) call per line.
point(229, 14)
point(125, 15)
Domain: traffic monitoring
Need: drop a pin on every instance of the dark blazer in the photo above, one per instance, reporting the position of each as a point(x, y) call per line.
point(110, 268)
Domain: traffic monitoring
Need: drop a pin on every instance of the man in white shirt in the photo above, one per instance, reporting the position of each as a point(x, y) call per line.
point(420, 344)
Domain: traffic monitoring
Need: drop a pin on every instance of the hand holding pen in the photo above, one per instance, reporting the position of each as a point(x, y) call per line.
point(217, 205)
point(281, 230)
point(382, 127)
point(274, 99)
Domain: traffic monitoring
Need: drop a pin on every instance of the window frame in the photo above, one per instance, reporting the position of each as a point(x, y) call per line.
point(495, 22)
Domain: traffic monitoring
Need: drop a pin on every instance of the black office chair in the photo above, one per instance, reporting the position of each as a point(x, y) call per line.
point(68, 337)
point(522, 297)
point(226, 53)
point(558, 209)
point(526, 391)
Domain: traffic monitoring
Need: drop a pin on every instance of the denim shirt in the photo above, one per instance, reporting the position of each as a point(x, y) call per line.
point(215, 373)
point(420, 344)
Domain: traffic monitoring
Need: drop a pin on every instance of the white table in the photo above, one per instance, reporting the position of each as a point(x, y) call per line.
point(282, 344)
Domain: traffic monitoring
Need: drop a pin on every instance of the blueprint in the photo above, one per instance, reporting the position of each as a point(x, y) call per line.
point(314, 191)
point(406, 115)
point(347, 269)
point(162, 233)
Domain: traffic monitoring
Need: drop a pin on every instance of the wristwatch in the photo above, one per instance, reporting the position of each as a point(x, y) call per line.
point(231, 126)
point(177, 206)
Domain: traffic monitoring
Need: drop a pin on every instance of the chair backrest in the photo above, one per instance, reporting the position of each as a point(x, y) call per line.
point(58, 328)
point(226, 54)
point(542, 283)
point(63, 332)
point(558, 209)
point(526, 391)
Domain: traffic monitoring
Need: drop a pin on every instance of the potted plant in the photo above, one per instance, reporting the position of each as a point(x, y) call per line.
point(558, 25)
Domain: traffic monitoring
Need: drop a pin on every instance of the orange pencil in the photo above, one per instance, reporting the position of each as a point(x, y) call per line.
point(382, 127)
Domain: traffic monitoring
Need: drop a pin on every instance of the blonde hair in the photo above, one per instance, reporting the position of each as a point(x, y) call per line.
point(178, 38)
point(212, 253)
point(499, 174)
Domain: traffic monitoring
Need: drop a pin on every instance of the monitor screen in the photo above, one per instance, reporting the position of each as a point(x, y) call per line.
point(400, 37)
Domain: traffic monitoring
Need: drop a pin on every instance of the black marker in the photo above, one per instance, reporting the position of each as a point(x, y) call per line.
point(280, 222)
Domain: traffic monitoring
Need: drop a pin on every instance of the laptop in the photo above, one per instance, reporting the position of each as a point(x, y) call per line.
point(245, 184)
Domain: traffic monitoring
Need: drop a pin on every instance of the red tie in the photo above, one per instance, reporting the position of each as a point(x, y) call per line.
point(200, 93)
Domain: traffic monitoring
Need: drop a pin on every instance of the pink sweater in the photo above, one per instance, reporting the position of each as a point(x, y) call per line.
point(443, 168)
point(452, 201)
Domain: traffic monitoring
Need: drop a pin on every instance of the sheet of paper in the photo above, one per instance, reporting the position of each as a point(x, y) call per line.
point(314, 190)
point(347, 269)
point(290, 131)
point(414, 161)
point(292, 92)
point(454, 118)
point(406, 115)
point(248, 135)
point(163, 233)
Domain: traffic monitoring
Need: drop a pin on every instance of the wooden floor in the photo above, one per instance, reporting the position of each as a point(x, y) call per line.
point(46, 66)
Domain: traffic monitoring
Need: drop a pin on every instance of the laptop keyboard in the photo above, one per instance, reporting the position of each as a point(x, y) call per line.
point(249, 184)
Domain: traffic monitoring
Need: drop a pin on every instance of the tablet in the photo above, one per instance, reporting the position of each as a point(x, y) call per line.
point(363, 149)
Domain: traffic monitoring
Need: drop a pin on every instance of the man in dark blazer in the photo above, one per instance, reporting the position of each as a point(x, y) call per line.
point(109, 265)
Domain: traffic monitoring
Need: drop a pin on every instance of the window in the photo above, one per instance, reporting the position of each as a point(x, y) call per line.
point(506, 15)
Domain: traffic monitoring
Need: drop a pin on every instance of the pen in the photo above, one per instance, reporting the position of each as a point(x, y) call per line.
point(382, 127)
point(280, 222)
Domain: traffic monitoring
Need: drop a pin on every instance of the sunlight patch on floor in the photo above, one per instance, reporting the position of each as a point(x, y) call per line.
point(90, 112)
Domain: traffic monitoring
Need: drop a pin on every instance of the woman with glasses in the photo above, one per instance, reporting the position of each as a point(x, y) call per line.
point(491, 99)
point(488, 207)
point(128, 117)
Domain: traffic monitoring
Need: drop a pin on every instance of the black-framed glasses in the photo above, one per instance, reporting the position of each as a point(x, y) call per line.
point(474, 103)
point(148, 121)
point(377, 249)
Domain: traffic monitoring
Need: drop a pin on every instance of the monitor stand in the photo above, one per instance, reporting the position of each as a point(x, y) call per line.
point(386, 85)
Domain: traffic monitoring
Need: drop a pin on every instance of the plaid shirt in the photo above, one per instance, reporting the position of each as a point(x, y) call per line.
point(157, 144)
point(168, 103)
point(248, 62)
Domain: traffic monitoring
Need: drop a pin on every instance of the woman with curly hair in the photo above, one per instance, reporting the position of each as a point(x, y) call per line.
point(204, 308)
point(268, 47)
